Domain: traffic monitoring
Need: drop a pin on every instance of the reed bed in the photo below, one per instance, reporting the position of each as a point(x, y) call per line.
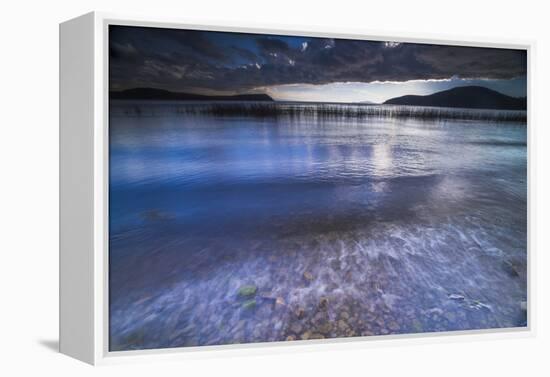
point(281, 109)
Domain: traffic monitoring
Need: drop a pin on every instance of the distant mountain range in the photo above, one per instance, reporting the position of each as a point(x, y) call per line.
point(473, 97)
point(161, 94)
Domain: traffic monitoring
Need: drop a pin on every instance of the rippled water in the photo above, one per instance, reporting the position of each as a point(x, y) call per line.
point(244, 229)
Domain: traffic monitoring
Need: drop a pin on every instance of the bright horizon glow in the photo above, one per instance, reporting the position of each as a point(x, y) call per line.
point(380, 91)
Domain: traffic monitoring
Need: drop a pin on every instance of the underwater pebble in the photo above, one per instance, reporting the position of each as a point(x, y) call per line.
point(296, 328)
point(306, 335)
point(300, 312)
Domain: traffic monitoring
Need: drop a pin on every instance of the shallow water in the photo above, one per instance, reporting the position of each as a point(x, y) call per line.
point(340, 227)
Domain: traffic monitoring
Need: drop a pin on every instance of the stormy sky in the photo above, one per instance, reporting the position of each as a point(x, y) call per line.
point(303, 68)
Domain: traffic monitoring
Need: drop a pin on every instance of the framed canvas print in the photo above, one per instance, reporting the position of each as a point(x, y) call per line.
point(226, 187)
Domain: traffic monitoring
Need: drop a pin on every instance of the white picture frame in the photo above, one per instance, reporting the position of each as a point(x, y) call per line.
point(84, 192)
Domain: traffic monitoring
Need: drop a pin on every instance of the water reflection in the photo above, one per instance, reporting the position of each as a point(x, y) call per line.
point(241, 229)
point(382, 160)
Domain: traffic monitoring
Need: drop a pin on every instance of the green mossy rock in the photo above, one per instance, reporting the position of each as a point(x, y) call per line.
point(249, 305)
point(247, 291)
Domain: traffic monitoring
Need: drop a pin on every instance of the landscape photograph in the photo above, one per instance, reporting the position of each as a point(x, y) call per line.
point(287, 188)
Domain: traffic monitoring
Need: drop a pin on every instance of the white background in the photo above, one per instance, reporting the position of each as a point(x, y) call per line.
point(29, 185)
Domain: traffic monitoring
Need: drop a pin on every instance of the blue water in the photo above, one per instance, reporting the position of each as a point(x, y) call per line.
point(343, 226)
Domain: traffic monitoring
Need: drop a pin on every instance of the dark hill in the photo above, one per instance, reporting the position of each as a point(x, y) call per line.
point(473, 97)
point(161, 94)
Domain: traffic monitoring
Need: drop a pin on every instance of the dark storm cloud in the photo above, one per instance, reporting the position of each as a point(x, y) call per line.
point(244, 53)
point(122, 51)
point(473, 62)
point(272, 45)
point(183, 59)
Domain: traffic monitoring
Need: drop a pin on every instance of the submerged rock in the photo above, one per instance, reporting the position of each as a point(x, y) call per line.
point(342, 325)
point(299, 312)
point(280, 301)
point(249, 304)
point(324, 328)
point(247, 291)
point(318, 318)
point(316, 336)
point(306, 335)
point(323, 303)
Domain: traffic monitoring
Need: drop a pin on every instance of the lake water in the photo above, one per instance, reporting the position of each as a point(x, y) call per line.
point(236, 229)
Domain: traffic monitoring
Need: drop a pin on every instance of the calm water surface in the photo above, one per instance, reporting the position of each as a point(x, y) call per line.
point(244, 229)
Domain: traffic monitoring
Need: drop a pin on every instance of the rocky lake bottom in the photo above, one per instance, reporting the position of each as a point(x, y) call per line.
point(244, 231)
